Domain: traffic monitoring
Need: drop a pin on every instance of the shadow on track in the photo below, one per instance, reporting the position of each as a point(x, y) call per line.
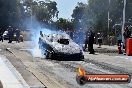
point(67, 59)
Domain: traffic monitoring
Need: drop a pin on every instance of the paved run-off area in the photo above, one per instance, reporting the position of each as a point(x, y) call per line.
point(39, 72)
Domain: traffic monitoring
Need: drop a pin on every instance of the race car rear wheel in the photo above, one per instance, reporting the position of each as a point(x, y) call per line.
point(82, 57)
point(49, 55)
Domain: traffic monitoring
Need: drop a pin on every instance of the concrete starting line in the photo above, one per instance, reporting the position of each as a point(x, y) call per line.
point(9, 76)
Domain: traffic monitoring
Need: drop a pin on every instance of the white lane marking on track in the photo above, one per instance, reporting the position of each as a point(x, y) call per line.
point(9, 77)
point(125, 57)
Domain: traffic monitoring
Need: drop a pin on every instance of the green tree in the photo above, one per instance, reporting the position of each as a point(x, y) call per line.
point(64, 24)
point(9, 12)
point(95, 14)
point(78, 14)
point(44, 11)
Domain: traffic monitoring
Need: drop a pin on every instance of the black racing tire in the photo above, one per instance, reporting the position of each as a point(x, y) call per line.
point(82, 58)
point(49, 55)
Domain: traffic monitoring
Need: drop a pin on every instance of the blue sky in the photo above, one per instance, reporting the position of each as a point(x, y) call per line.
point(66, 7)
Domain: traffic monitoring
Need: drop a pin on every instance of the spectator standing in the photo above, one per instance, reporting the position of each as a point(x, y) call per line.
point(17, 35)
point(126, 34)
point(87, 34)
point(99, 39)
point(10, 34)
point(91, 42)
point(119, 38)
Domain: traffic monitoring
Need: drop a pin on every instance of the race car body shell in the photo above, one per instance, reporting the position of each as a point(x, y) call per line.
point(60, 45)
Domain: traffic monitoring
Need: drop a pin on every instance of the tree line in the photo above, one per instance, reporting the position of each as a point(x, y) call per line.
point(15, 12)
point(93, 14)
